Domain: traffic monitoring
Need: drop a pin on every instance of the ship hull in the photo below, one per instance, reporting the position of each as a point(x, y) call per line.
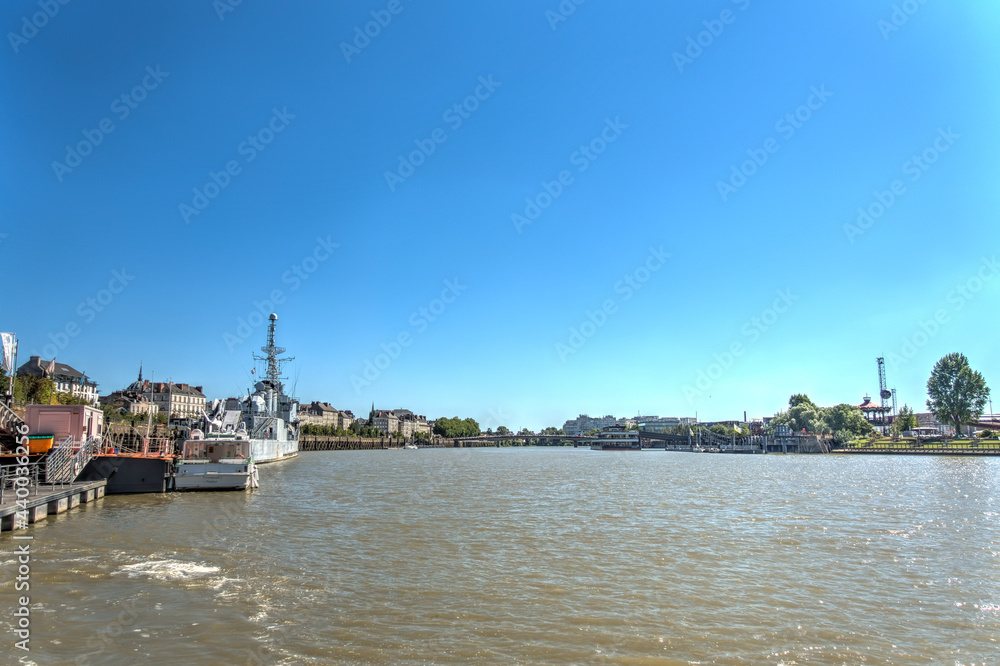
point(272, 450)
point(215, 476)
point(129, 474)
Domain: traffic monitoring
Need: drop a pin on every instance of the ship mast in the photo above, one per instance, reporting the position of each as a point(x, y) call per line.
point(271, 357)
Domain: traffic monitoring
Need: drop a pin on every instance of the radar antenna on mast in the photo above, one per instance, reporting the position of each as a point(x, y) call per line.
point(273, 372)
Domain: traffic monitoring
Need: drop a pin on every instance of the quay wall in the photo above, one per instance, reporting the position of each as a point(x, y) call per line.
point(321, 443)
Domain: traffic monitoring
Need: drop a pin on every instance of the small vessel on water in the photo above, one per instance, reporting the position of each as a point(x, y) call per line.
point(616, 438)
point(216, 462)
point(410, 446)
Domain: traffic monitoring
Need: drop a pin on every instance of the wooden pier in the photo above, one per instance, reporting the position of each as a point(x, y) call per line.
point(45, 500)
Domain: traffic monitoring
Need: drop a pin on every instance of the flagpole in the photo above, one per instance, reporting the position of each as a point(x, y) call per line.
point(13, 370)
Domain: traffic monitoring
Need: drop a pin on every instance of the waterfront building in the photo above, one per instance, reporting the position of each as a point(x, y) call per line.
point(325, 414)
point(584, 423)
point(402, 421)
point(927, 420)
point(132, 398)
point(385, 421)
point(175, 400)
point(65, 378)
point(411, 424)
point(665, 424)
point(319, 413)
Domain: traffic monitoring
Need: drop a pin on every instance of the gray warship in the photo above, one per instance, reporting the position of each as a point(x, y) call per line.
point(268, 416)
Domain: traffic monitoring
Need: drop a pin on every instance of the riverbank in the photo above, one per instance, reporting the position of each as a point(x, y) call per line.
point(913, 446)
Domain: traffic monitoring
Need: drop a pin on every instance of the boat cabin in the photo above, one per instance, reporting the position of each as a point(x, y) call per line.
point(214, 450)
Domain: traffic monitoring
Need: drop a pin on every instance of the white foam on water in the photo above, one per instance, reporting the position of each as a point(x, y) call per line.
point(168, 570)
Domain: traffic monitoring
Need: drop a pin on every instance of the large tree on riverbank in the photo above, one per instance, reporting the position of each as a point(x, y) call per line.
point(956, 394)
point(802, 414)
point(455, 427)
point(846, 422)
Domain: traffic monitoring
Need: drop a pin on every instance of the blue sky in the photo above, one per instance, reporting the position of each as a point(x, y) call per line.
point(636, 207)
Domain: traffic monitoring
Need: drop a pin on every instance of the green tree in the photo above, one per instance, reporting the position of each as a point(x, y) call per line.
point(846, 422)
point(800, 399)
point(113, 411)
point(956, 394)
point(503, 430)
point(551, 430)
point(905, 420)
point(70, 399)
point(455, 427)
point(31, 390)
point(802, 414)
point(724, 430)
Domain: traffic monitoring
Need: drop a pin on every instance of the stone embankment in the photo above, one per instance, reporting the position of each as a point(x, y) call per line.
point(320, 443)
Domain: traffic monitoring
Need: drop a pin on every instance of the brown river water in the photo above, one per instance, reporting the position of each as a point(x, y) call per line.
point(536, 555)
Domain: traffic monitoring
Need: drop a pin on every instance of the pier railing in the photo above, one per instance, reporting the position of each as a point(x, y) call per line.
point(83, 455)
point(59, 463)
point(147, 447)
point(988, 447)
point(14, 476)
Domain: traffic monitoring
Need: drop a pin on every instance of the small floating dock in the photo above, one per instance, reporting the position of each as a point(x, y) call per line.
point(45, 500)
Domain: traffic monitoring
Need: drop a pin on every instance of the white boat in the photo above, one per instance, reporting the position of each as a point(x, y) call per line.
point(216, 462)
point(410, 446)
point(616, 438)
